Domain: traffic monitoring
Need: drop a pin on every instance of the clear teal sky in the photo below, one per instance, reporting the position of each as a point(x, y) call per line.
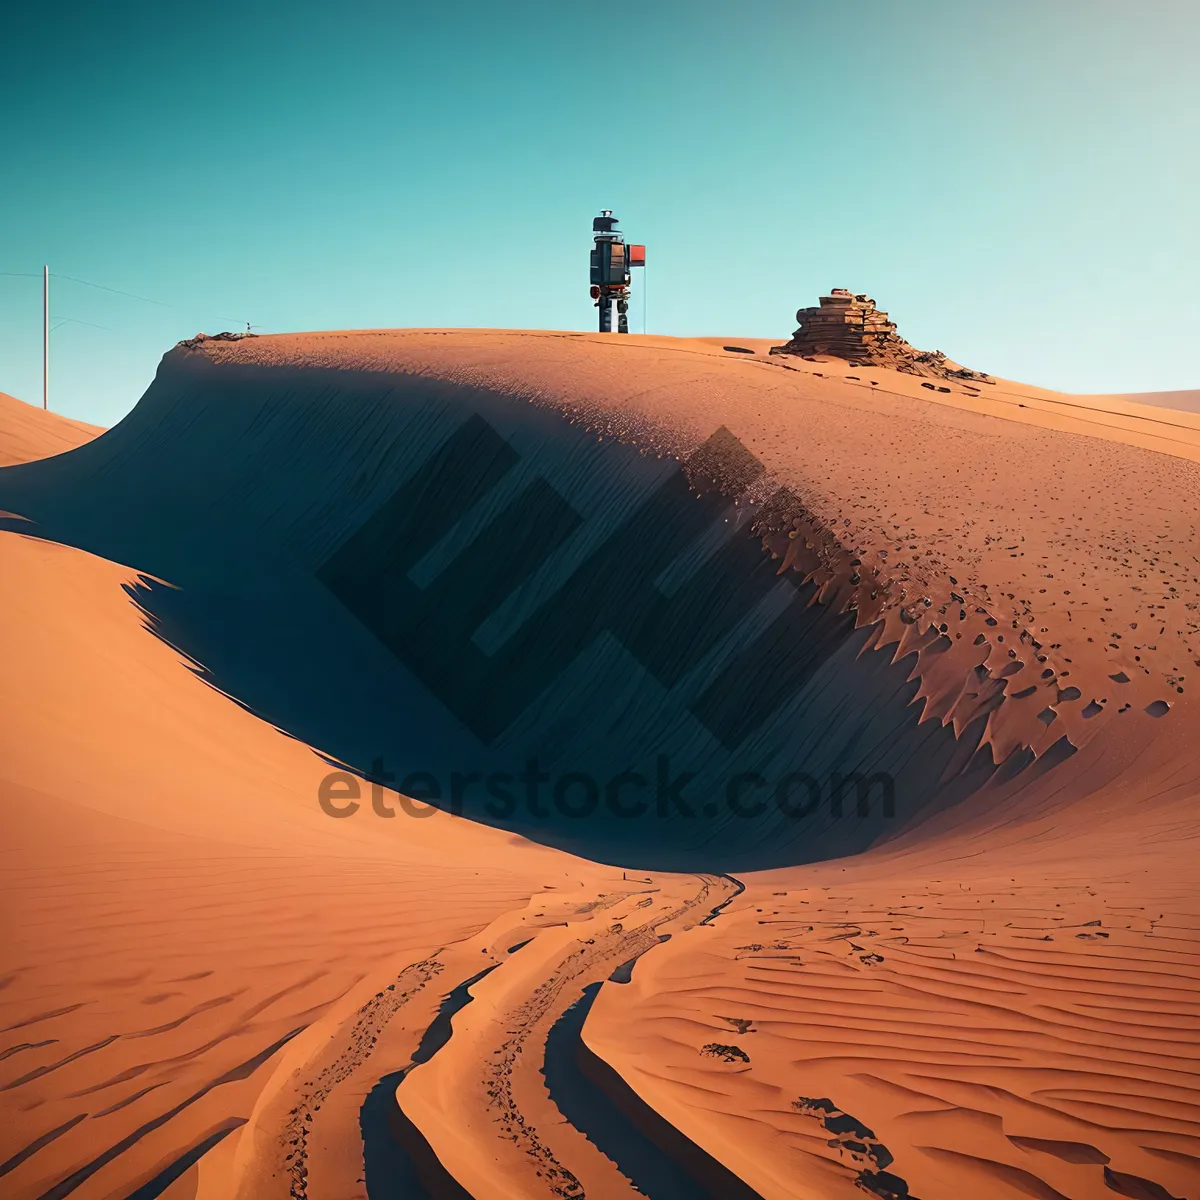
point(1016, 182)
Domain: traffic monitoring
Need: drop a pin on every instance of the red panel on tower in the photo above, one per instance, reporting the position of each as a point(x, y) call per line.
point(637, 256)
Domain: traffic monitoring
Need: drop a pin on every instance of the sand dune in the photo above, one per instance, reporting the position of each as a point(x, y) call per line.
point(924, 657)
point(28, 433)
point(1183, 401)
point(177, 906)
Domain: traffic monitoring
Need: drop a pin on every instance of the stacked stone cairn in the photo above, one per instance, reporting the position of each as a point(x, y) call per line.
point(849, 326)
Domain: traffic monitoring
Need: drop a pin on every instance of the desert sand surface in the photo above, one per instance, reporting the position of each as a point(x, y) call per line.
point(29, 433)
point(415, 555)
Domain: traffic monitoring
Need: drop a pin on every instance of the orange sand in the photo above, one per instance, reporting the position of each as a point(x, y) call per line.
point(175, 901)
point(28, 433)
point(1004, 993)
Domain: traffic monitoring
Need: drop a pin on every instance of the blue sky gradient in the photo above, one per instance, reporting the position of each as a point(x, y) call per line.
point(1017, 184)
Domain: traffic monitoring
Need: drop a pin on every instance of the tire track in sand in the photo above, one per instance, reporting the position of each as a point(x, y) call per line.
point(507, 1033)
point(355, 1043)
point(306, 1141)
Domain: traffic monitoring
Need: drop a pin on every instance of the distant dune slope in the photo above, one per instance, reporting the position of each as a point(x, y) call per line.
point(28, 433)
point(915, 662)
point(1183, 401)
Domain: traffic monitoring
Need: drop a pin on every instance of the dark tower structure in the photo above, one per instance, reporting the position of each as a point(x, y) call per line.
point(611, 265)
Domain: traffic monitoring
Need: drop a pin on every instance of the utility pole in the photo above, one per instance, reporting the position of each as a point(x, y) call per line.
point(46, 338)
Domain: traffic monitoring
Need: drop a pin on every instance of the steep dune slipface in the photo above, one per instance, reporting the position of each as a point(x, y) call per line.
point(798, 611)
point(510, 568)
point(28, 433)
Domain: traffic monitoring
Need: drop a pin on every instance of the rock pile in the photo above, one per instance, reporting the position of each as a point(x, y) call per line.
point(190, 343)
point(849, 326)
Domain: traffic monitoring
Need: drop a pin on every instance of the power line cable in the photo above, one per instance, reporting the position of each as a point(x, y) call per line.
point(77, 321)
point(134, 296)
point(115, 291)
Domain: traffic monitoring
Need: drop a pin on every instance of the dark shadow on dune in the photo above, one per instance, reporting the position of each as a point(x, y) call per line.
point(392, 1147)
point(398, 1162)
point(623, 972)
point(447, 583)
point(717, 910)
point(312, 673)
point(236, 1074)
point(439, 1031)
point(163, 1180)
point(651, 1153)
